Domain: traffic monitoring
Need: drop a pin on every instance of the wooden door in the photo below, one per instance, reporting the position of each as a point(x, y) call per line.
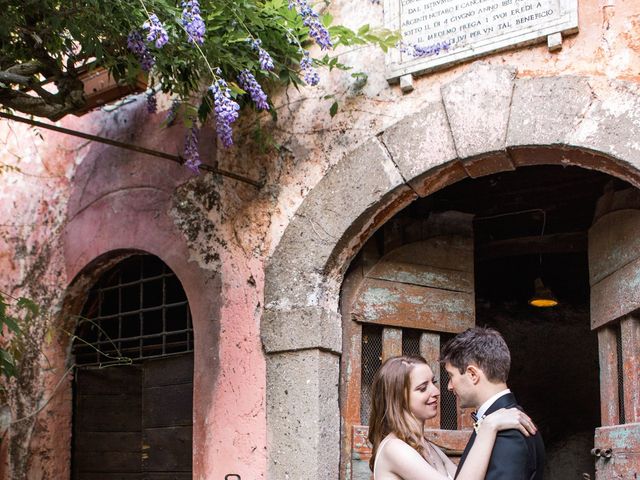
point(407, 301)
point(167, 406)
point(107, 424)
point(614, 270)
point(134, 422)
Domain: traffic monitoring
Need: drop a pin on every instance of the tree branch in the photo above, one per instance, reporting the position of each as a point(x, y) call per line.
point(8, 77)
point(27, 69)
point(40, 107)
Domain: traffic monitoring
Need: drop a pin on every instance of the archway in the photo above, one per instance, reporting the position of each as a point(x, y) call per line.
point(471, 254)
point(107, 227)
point(486, 121)
point(133, 387)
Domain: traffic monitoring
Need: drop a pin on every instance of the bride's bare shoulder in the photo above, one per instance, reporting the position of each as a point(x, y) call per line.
point(398, 449)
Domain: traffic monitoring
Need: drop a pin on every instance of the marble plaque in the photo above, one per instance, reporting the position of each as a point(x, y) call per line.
point(437, 33)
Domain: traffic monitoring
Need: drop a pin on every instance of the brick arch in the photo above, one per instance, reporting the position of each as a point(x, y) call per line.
point(485, 121)
point(136, 220)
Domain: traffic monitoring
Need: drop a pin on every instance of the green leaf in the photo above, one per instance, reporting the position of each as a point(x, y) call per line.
point(235, 88)
point(3, 307)
point(12, 324)
point(334, 109)
point(7, 363)
point(30, 305)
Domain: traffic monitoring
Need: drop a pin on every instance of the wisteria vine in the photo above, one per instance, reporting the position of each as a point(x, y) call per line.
point(185, 24)
point(225, 107)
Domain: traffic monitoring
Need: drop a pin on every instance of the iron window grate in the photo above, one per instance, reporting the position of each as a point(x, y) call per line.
point(370, 363)
point(448, 404)
point(137, 310)
point(448, 407)
point(411, 342)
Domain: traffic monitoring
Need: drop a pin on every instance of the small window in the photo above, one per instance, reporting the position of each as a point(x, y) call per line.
point(371, 361)
point(136, 310)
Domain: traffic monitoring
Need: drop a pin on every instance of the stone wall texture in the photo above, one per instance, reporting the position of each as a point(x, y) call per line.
point(262, 267)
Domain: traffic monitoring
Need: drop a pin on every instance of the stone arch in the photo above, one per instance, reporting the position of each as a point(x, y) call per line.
point(111, 225)
point(484, 122)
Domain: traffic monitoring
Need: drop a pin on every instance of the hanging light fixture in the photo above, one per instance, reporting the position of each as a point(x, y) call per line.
point(542, 297)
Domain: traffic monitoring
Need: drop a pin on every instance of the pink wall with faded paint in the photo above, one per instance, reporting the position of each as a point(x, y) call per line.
point(64, 201)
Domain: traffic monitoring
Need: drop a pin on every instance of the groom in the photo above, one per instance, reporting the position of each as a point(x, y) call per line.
point(478, 362)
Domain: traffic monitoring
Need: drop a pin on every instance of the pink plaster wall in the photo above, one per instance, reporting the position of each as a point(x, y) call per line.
point(73, 201)
point(111, 200)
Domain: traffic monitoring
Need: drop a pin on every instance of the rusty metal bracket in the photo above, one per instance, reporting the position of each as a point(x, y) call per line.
point(128, 146)
point(605, 453)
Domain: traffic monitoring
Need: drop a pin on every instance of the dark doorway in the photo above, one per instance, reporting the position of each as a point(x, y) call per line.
point(134, 383)
point(554, 353)
point(529, 223)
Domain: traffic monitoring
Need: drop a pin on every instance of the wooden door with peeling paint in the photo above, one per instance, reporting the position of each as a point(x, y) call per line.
point(614, 270)
point(412, 288)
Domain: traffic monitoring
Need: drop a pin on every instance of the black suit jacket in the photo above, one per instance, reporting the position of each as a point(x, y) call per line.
point(514, 456)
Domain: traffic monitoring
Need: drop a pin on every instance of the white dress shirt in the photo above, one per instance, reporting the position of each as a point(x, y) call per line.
point(485, 406)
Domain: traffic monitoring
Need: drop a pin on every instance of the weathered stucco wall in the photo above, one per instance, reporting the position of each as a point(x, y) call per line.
point(65, 200)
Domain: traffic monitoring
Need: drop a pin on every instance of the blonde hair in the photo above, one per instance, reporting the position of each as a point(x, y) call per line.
point(390, 404)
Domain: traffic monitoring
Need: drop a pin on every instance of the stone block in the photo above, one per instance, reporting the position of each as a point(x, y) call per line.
point(352, 189)
point(477, 105)
point(421, 142)
point(611, 125)
point(545, 111)
point(301, 328)
point(303, 415)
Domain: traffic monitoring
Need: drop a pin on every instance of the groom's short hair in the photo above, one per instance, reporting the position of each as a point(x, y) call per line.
point(484, 347)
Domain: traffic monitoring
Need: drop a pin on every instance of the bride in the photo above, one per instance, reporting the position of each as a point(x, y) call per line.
point(404, 395)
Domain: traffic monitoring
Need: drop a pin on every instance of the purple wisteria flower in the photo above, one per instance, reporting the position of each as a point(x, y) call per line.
point(191, 152)
point(136, 45)
point(266, 62)
point(310, 19)
point(173, 112)
point(155, 31)
point(249, 83)
point(310, 74)
point(152, 102)
point(192, 21)
point(419, 51)
point(226, 110)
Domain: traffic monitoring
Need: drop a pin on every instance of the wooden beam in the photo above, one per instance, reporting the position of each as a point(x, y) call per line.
point(609, 398)
point(630, 331)
point(556, 243)
point(413, 306)
point(391, 342)
point(430, 351)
